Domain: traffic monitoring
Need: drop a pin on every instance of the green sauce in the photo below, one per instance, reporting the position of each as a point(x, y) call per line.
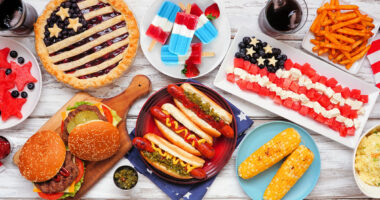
point(205, 107)
point(168, 163)
point(125, 178)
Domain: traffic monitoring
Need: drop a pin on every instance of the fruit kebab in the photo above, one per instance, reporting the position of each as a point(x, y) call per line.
point(183, 32)
point(206, 31)
point(194, 55)
point(162, 24)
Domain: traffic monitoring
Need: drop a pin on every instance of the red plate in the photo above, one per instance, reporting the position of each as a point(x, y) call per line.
point(223, 146)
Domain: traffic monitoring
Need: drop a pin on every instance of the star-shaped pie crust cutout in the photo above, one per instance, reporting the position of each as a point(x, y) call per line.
point(63, 13)
point(272, 61)
point(250, 51)
point(268, 49)
point(74, 24)
point(23, 75)
point(260, 61)
point(254, 41)
point(54, 32)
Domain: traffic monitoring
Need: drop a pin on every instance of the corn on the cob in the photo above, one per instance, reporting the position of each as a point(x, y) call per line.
point(290, 171)
point(270, 153)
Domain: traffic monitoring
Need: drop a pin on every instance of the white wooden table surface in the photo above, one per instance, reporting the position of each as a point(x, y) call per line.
point(336, 180)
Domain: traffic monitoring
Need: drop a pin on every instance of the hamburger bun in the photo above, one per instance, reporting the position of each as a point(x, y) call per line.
point(42, 156)
point(94, 141)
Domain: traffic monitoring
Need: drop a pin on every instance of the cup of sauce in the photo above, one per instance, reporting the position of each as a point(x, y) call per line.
point(125, 177)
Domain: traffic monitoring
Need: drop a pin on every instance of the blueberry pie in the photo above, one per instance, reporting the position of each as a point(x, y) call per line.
point(86, 43)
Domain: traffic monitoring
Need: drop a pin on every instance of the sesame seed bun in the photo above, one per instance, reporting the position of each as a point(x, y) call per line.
point(94, 141)
point(42, 156)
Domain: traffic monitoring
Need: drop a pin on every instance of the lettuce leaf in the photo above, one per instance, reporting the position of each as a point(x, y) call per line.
point(116, 118)
point(77, 104)
point(76, 188)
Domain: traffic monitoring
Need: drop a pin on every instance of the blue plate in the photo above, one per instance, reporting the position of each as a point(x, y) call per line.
point(255, 187)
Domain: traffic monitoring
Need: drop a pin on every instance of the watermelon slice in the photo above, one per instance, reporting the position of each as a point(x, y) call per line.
point(277, 100)
point(286, 84)
point(256, 87)
point(296, 106)
point(331, 82)
point(288, 64)
point(239, 63)
point(315, 78)
point(346, 92)
point(345, 110)
point(272, 77)
point(323, 80)
point(11, 106)
point(264, 91)
point(254, 69)
point(288, 103)
point(247, 65)
point(324, 101)
point(263, 72)
point(23, 75)
point(297, 66)
point(4, 64)
point(302, 90)
point(304, 110)
point(351, 131)
point(338, 89)
point(355, 94)
point(294, 87)
point(364, 98)
point(231, 77)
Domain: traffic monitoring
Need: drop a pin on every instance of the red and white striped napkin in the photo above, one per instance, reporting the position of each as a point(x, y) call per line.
point(373, 56)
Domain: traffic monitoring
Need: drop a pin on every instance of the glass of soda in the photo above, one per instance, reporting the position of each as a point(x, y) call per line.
point(283, 17)
point(17, 16)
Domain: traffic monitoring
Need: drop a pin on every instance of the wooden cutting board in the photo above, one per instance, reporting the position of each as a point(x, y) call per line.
point(121, 103)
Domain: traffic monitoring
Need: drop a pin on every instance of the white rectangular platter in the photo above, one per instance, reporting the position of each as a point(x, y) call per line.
point(300, 57)
point(308, 46)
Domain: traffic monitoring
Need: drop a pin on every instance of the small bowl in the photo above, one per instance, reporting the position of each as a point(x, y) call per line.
point(368, 190)
point(134, 172)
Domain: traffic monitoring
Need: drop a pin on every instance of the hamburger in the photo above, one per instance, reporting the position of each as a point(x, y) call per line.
point(55, 172)
point(89, 129)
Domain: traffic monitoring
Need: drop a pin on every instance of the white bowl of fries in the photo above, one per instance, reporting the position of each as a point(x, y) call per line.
point(369, 190)
point(341, 33)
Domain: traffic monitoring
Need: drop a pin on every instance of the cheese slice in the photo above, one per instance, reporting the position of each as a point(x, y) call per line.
point(70, 189)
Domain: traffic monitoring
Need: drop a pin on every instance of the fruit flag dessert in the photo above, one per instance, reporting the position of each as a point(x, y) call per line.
point(297, 87)
point(162, 24)
point(183, 32)
point(13, 79)
point(205, 31)
point(194, 55)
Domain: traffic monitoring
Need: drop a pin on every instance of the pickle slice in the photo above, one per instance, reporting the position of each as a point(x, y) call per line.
point(81, 118)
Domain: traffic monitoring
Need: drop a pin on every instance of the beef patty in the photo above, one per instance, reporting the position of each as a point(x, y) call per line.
point(51, 186)
point(71, 115)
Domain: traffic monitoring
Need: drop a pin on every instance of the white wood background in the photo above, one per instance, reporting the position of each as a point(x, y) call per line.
point(336, 180)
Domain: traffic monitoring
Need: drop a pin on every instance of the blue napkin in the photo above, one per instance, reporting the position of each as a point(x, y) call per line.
point(191, 192)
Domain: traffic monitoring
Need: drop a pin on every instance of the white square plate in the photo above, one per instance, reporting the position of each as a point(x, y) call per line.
point(308, 46)
point(298, 56)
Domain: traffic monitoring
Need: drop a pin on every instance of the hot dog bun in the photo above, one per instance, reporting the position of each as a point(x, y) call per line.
point(176, 139)
point(181, 118)
point(174, 150)
point(206, 127)
point(223, 114)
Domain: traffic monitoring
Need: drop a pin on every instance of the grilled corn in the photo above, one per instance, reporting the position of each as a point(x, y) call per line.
point(270, 153)
point(290, 171)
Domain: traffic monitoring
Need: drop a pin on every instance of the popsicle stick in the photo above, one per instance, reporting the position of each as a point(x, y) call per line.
point(182, 6)
point(188, 9)
point(152, 44)
point(208, 54)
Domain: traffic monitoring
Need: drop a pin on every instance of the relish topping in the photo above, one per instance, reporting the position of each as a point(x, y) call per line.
point(169, 164)
point(204, 106)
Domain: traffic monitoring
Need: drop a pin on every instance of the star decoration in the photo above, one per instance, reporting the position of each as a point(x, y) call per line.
point(260, 61)
point(254, 41)
point(272, 61)
point(54, 31)
point(23, 75)
point(187, 195)
point(149, 171)
point(11, 106)
point(3, 58)
point(63, 13)
point(74, 24)
point(268, 49)
point(250, 51)
point(242, 116)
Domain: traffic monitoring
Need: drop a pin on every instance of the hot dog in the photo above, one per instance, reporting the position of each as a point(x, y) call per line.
point(179, 130)
point(169, 158)
point(203, 111)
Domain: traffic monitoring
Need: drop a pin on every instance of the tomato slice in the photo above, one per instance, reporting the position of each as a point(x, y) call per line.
point(53, 196)
point(108, 114)
point(62, 126)
point(80, 166)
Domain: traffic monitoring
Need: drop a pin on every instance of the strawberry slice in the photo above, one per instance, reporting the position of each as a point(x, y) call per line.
point(3, 58)
point(190, 70)
point(23, 75)
point(212, 12)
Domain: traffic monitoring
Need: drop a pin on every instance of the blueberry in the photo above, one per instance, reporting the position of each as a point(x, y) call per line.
point(253, 60)
point(15, 93)
point(284, 57)
point(238, 55)
point(246, 40)
point(241, 45)
point(276, 51)
point(8, 71)
point(281, 63)
point(13, 54)
point(243, 51)
point(259, 46)
point(67, 4)
point(265, 44)
point(261, 52)
point(256, 55)
point(24, 95)
point(271, 69)
point(30, 86)
point(261, 66)
point(246, 57)
point(20, 60)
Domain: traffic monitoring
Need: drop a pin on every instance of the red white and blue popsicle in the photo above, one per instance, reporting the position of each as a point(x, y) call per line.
point(162, 24)
point(205, 31)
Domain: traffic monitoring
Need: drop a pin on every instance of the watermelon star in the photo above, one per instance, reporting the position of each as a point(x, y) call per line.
point(23, 75)
point(11, 106)
point(6, 81)
point(3, 58)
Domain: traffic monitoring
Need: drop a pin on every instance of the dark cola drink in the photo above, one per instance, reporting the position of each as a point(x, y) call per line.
point(17, 16)
point(283, 16)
